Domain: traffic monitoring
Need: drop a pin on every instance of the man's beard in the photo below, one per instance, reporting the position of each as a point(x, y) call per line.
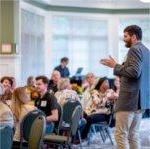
point(128, 44)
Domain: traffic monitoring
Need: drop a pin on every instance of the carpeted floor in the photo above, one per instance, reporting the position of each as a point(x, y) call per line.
point(96, 142)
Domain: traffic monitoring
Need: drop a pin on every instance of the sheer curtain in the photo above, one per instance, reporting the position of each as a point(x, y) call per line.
point(32, 44)
point(81, 39)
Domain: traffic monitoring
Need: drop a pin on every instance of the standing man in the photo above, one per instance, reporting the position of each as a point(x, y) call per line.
point(62, 68)
point(134, 95)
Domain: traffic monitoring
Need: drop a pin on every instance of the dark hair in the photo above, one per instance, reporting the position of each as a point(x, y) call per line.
point(43, 78)
point(134, 30)
point(7, 78)
point(64, 59)
point(29, 79)
point(100, 82)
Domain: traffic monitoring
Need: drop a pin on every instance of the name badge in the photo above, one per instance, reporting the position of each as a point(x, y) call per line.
point(43, 103)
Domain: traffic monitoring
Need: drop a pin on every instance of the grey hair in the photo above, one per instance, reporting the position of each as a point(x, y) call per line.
point(63, 84)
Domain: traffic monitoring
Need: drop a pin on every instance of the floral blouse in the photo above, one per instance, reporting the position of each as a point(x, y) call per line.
point(99, 102)
point(63, 95)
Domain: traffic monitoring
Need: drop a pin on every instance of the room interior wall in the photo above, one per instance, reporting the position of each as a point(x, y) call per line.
point(11, 64)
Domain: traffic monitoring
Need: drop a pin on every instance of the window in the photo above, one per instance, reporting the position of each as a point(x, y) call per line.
point(32, 44)
point(83, 40)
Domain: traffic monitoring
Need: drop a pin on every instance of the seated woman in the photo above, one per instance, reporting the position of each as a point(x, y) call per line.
point(7, 82)
point(6, 115)
point(65, 92)
point(20, 107)
point(98, 109)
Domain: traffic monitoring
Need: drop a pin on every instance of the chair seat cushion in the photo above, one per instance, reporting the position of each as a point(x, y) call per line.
point(55, 138)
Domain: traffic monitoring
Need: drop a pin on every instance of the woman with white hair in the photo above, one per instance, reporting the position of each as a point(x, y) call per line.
point(53, 82)
point(65, 92)
point(6, 115)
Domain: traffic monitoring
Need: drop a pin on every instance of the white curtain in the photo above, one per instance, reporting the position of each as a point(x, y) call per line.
point(32, 44)
point(81, 39)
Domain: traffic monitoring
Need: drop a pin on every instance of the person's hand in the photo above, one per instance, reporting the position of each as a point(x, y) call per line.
point(110, 62)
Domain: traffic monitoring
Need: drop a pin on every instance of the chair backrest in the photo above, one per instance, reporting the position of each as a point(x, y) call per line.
point(37, 132)
point(27, 123)
point(110, 116)
point(60, 118)
point(6, 137)
point(77, 113)
point(68, 109)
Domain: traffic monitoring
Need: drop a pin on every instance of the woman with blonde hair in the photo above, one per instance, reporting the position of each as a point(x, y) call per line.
point(65, 92)
point(20, 107)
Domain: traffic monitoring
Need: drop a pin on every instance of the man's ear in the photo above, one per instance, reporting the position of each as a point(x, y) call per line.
point(134, 37)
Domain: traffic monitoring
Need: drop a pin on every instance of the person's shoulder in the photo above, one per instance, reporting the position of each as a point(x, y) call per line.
point(29, 107)
point(57, 67)
point(4, 107)
point(49, 96)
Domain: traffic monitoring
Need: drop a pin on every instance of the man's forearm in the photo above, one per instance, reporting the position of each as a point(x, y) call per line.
point(52, 118)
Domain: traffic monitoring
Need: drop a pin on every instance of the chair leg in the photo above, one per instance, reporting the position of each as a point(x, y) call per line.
point(93, 128)
point(104, 134)
point(109, 136)
point(79, 135)
point(103, 139)
point(60, 147)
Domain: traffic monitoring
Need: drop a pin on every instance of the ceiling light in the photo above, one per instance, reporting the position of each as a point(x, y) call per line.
point(145, 1)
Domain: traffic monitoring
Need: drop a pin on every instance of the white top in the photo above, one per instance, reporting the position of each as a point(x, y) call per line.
point(6, 115)
point(64, 94)
point(25, 109)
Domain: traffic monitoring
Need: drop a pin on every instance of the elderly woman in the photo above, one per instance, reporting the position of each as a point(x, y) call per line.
point(53, 82)
point(98, 109)
point(65, 92)
point(6, 115)
point(88, 85)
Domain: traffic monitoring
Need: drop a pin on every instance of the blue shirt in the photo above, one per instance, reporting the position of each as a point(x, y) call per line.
point(64, 72)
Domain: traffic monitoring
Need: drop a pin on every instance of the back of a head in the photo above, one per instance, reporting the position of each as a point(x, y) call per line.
point(64, 59)
point(63, 84)
point(134, 30)
point(30, 81)
point(21, 96)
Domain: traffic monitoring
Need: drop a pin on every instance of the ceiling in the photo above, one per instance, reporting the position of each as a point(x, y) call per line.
point(108, 4)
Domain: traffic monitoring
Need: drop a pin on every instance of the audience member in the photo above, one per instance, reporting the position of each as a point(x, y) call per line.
point(6, 115)
point(8, 85)
point(47, 103)
point(90, 81)
point(88, 85)
point(53, 83)
point(65, 92)
point(31, 82)
point(20, 107)
point(98, 108)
